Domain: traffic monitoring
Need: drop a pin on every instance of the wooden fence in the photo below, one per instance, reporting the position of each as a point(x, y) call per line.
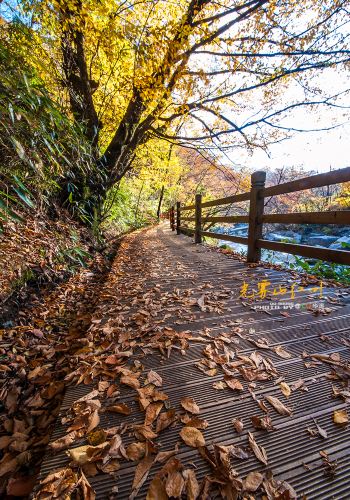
point(256, 217)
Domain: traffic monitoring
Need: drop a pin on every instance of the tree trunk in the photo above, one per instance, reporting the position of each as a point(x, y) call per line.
point(160, 202)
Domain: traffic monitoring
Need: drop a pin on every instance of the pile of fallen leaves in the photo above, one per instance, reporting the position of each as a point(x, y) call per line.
point(36, 247)
point(34, 360)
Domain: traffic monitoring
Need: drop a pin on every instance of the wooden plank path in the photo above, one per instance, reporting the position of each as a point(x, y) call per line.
point(170, 283)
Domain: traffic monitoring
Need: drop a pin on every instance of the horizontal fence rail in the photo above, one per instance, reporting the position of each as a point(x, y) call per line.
point(256, 217)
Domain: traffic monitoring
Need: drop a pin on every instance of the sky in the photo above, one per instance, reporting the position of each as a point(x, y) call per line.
point(317, 151)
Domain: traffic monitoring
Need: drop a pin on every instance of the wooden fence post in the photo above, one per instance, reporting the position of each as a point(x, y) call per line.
point(256, 210)
point(172, 221)
point(198, 216)
point(178, 217)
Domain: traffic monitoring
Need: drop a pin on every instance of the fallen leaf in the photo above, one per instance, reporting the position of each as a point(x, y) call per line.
point(112, 359)
point(321, 431)
point(285, 389)
point(103, 385)
point(299, 384)
point(116, 448)
point(282, 353)
point(21, 486)
point(119, 408)
point(154, 378)
point(192, 437)
point(136, 451)
point(238, 424)
point(156, 490)
point(200, 303)
point(65, 441)
point(233, 383)
point(252, 482)
point(198, 423)
point(278, 406)
point(174, 484)
point(8, 464)
point(83, 454)
point(190, 405)
point(259, 451)
point(141, 473)
point(340, 416)
point(165, 419)
point(87, 491)
point(264, 423)
point(144, 431)
point(110, 467)
point(238, 452)
point(192, 486)
point(219, 385)
point(130, 381)
point(97, 436)
point(152, 412)
point(163, 456)
point(93, 421)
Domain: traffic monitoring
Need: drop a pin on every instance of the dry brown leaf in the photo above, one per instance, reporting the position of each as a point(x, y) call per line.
point(110, 467)
point(103, 385)
point(152, 413)
point(219, 385)
point(119, 408)
point(190, 405)
point(198, 423)
point(93, 421)
point(87, 491)
point(144, 431)
point(165, 419)
point(259, 451)
point(238, 452)
point(136, 451)
point(8, 464)
point(238, 424)
point(130, 381)
point(253, 481)
point(65, 441)
point(192, 486)
point(156, 490)
point(90, 469)
point(174, 484)
point(278, 406)
point(285, 389)
point(154, 378)
point(141, 473)
point(233, 383)
point(116, 448)
point(192, 437)
point(281, 352)
point(264, 423)
point(79, 455)
point(163, 456)
point(340, 417)
point(112, 359)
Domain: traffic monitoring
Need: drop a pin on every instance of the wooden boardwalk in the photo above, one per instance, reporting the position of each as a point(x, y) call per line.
point(171, 285)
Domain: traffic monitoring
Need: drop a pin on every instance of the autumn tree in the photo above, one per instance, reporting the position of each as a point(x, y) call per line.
point(196, 73)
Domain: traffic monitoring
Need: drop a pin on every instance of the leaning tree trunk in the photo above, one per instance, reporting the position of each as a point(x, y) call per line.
point(160, 202)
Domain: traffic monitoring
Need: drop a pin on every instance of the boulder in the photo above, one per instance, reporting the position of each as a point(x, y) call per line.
point(322, 240)
point(338, 244)
point(291, 237)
